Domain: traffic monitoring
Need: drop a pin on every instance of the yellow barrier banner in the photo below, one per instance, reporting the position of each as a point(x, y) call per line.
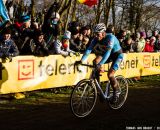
point(27, 73)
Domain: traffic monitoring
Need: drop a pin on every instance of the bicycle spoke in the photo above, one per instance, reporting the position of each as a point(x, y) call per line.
point(123, 86)
point(83, 98)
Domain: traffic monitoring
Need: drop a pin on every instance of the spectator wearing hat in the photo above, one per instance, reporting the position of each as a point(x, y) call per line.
point(8, 47)
point(63, 46)
point(26, 20)
point(38, 45)
point(26, 34)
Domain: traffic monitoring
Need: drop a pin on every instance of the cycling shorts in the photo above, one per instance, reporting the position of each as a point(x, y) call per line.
point(116, 63)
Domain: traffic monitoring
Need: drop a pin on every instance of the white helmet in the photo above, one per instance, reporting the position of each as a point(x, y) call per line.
point(67, 35)
point(101, 27)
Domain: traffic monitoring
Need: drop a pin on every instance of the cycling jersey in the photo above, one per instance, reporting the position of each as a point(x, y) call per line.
point(109, 48)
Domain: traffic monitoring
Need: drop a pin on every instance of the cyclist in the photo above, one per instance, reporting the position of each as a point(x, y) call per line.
point(106, 48)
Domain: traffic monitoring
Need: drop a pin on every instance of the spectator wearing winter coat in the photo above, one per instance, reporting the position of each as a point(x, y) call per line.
point(63, 46)
point(141, 42)
point(127, 45)
point(149, 45)
point(76, 37)
point(85, 32)
point(8, 47)
point(26, 35)
point(38, 45)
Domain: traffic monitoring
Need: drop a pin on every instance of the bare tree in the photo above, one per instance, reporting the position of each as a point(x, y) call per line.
point(33, 9)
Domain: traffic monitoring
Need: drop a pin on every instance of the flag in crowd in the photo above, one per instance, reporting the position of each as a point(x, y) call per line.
point(89, 3)
point(3, 14)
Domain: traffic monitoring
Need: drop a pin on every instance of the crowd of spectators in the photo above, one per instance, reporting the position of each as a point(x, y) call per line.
point(139, 42)
point(26, 37)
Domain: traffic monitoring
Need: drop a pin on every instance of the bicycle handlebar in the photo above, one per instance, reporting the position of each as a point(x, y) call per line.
point(91, 66)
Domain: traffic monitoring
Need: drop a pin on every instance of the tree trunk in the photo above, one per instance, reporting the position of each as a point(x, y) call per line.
point(74, 10)
point(68, 14)
point(113, 13)
point(32, 9)
point(108, 7)
point(122, 15)
point(98, 13)
point(139, 14)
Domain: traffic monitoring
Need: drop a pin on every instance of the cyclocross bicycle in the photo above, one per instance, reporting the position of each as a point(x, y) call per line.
point(84, 95)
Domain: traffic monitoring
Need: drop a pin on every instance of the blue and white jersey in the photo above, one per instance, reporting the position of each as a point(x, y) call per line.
point(106, 48)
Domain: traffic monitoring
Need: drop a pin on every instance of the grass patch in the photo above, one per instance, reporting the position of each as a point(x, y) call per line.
point(147, 82)
point(58, 95)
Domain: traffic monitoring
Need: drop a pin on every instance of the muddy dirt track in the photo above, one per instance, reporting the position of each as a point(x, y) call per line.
point(142, 109)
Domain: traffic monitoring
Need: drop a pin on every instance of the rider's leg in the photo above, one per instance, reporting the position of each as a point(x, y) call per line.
point(114, 85)
point(96, 61)
point(112, 79)
point(114, 67)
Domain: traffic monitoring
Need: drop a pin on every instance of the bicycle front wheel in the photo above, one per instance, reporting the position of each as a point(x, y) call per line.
point(83, 98)
point(123, 86)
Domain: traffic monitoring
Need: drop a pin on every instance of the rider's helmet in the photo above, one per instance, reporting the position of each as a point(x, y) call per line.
point(101, 27)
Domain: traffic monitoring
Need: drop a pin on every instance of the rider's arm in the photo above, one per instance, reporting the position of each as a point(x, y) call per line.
point(109, 48)
point(89, 50)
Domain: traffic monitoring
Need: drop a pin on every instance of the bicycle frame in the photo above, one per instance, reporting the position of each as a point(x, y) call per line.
point(105, 94)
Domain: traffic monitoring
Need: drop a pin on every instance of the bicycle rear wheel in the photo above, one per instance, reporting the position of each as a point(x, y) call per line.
point(83, 98)
point(123, 86)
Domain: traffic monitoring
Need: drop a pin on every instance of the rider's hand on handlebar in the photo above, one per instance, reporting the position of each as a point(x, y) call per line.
point(100, 68)
point(78, 62)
